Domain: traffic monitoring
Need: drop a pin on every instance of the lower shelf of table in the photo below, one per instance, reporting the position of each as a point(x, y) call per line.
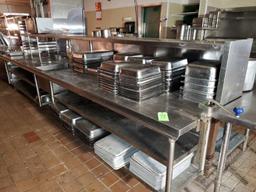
point(148, 141)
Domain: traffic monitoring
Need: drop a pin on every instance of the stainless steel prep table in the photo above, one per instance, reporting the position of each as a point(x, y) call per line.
point(184, 115)
point(247, 119)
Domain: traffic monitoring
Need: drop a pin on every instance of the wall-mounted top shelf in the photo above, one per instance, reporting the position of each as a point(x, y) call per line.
point(137, 41)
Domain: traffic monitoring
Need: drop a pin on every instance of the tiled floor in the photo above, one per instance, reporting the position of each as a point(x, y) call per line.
point(38, 155)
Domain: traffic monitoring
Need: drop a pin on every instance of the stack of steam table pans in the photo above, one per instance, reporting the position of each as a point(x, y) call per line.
point(78, 62)
point(114, 151)
point(108, 75)
point(173, 70)
point(153, 172)
point(88, 130)
point(89, 60)
point(141, 59)
point(140, 82)
point(125, 56)
point(200, 81)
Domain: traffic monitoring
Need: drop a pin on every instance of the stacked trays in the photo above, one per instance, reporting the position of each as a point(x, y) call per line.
point(108, 75)
point(153, 172)
point(125, 56)
point(173, 70)
point(140, 82)
point(89, 130)
point(114, 151)
point(200, 81)
point(78, 62)
point(141, 59)
point(89, 60)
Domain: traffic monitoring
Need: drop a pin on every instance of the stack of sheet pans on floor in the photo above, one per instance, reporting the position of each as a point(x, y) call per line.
point(88, 131)
point(114, 151)
point(140, 82)
point(108, 75)
point(153, 172)
point(173, 71)
point(200, 81)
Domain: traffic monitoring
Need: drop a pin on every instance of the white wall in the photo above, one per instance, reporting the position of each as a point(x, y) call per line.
point(90, 4)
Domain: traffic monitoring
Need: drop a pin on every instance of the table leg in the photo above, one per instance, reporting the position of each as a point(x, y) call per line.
point(38, 91)
point(215, 125)
point(222, 156)
point(204, 144)
point(52, 92)
point(168, 186)
point(247, 134)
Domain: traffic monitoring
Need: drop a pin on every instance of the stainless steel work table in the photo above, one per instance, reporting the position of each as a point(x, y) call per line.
point(184, 115)
point(247, 119)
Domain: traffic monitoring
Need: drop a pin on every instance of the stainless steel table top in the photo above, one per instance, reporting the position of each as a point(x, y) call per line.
point(248, 118)
point(183, 114)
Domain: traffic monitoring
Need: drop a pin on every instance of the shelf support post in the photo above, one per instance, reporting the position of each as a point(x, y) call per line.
point(168, 186)
point(222, 156)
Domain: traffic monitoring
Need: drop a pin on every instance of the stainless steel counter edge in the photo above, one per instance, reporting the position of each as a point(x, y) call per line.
point(125, 111)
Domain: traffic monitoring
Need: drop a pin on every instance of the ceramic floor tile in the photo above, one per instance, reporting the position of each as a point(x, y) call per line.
point(100, 171)
point(120, 186)
point(5, 182)
point(93, 163)
point(109, 179)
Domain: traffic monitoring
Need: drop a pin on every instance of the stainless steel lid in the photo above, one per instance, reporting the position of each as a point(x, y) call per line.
point(113, 66)
point(140, 71)
point(170, 63)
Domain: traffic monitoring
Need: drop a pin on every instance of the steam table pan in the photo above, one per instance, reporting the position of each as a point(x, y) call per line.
point(140, 71)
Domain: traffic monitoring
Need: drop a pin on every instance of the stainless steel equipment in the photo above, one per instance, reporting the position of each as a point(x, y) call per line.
point(141, 59)
point(250, 75)
point(108, 75)
point(153, 172)
point(70, 118)
point(89, 130)
point(96, 33)
point(105, 33)
point(232, 71)
point(114, 151)
point(200, 81)
point(90, 60)
point(125, 56)
point(172, 71)
point(140, 82)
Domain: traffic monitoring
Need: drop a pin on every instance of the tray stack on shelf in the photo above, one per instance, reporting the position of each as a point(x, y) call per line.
point(108, 75)
point(153, 172)
point(114, 151)
point(78, 62)
point(200, 81)
point(125, 56)
point(173, 70)
point(89, 60)
point(141, 59)
point(140, 82)
point(89, 131)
